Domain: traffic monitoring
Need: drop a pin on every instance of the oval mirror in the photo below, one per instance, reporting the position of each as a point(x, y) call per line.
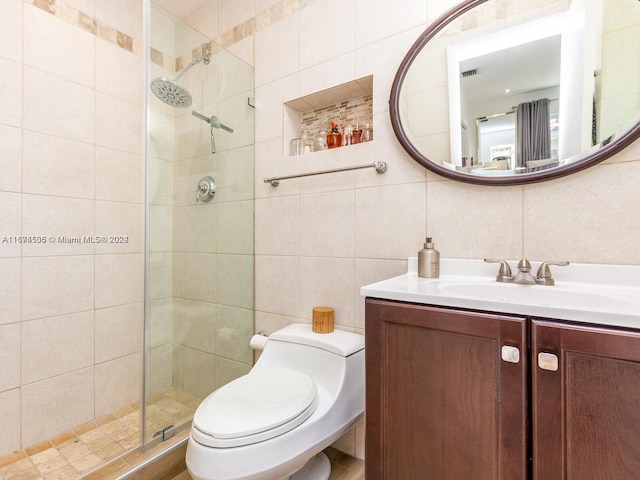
point(506, 92)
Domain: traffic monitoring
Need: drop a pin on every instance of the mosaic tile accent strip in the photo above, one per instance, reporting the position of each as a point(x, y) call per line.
point(75, 17)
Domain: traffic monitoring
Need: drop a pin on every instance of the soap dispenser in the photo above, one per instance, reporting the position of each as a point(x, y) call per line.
point(428, 261)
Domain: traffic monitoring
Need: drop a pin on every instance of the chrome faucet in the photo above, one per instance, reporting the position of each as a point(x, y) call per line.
point(524, 276)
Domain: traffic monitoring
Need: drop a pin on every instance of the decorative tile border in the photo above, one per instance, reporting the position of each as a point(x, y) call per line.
point(73, 16)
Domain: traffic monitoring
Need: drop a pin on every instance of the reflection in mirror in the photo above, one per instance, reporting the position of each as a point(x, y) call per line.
point(507, 92)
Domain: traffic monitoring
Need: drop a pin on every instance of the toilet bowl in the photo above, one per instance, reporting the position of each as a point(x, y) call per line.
point(303, 394)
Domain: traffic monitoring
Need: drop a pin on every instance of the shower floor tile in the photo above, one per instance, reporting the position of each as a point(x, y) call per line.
point(88, 447)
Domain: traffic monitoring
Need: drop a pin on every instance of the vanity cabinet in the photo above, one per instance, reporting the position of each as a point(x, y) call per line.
point(456, 394)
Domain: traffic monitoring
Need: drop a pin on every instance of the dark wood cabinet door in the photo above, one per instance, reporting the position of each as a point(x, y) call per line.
point(586, 413)
point(441, 401)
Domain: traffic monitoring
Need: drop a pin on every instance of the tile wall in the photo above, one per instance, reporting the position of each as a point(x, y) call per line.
point(71, 169)
point(319, 239)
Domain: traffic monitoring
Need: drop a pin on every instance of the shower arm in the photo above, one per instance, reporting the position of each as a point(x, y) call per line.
point(195, 61)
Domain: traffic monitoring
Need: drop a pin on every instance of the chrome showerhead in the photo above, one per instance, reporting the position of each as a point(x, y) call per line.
point(170, 92)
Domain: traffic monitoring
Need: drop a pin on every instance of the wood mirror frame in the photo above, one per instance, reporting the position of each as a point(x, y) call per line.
point(616, 145)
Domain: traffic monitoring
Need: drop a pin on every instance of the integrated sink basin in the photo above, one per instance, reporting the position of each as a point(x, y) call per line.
point(591, 293)
point(561, 297)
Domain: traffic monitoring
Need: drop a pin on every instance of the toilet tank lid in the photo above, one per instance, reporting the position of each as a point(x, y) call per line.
point(339, 342)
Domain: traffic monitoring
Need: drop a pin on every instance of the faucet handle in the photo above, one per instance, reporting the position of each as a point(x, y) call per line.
point(543, 277)
point(504, 274)
point(524, 265)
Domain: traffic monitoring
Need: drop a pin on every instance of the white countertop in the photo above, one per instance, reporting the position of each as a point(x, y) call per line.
point(592, 293)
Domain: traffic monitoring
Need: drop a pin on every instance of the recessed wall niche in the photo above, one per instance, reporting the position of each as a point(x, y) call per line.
point(348, 104)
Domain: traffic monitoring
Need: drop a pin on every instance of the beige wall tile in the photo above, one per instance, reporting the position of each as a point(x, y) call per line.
point(277, 226)
point(200, 227)
point(59, 48)
point(234, 227)
point(234, 331)
point(382, 19)
point(122, 224)
point(200, 277)
point(161, 228)
point(234, 280)
point(390, 221)
point(48, 162)
point(194, 325)
point(118, 176)
point(328, 282)
point(118, 279)
point(11, 221)
point(65, 220)
point(278, 285)
point(278, 51)
point(10, 162)
point(10, 420)
point(118, 332)
point(161, 314)
point(466, 221)
point(118, 124)
point(118, 72)
point(198, 372)
point(124, 15)
point(117, 383)
point(589, 217)
point(236, 173)
point(161, 275)
point(230, 14)
point(10, 292)
point(163, 370)
point(46, 345)
point(57, 285)
point(322, 41)
point(228, 370)
point(11, 91)
point(326, 224)
point(11, 30)
point(45, 405)
point(9, 356)
point(70, 113)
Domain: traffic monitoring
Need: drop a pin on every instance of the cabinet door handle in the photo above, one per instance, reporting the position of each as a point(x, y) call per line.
point(510, 354)
point(548, 361)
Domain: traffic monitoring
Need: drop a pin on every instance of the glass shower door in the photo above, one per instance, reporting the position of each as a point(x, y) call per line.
point(199, 249)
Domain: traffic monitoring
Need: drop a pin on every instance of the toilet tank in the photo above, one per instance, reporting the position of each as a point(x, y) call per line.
point(338, 342)
point(328, 358)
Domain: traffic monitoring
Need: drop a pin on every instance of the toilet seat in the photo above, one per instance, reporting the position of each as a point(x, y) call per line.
point(255, 407)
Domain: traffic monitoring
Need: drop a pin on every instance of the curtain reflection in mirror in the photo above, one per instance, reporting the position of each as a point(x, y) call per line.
point(533, 138)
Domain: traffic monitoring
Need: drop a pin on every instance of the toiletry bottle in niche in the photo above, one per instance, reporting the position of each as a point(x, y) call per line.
point(320, 142)
point(367, 133)
point(428, 261)
point(356, 135)
point(307, 141)
point(334, 137)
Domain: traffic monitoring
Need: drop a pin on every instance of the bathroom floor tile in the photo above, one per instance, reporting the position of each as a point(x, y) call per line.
point(105, 445)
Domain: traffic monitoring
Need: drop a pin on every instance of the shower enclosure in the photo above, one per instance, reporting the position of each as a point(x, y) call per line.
point(199, 228)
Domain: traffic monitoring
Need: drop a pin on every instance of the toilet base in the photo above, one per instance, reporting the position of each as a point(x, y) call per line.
point(318, 468)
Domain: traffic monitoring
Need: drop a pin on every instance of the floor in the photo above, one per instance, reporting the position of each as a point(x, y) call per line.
point(343, 467)
point(108, 447)
point(76, 453)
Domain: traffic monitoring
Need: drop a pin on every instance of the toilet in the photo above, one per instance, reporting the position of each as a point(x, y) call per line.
point(304, 392)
